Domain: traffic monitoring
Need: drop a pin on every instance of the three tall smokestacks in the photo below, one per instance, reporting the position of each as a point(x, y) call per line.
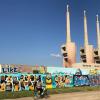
point(69, 49)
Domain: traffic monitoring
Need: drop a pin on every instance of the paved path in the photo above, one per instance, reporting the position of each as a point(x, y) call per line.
point(94, 95)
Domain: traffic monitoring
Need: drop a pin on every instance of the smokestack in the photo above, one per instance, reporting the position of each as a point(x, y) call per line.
point(98, 34)
point(85, 30)
point(68, 25)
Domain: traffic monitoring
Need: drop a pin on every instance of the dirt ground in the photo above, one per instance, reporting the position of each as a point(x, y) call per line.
point(94, 95)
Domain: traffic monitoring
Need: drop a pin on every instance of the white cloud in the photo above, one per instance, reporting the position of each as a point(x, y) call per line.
point(55, 55)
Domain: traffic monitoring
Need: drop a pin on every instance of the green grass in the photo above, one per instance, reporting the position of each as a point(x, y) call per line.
point(13, 95)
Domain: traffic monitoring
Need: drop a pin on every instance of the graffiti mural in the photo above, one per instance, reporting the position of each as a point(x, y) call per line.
point(22, 81)
point(81, 80)
point(94, 80)
point(68, 81)
point(63, 81)
point(59, 81)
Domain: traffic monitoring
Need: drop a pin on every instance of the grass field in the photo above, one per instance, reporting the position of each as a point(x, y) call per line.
point(12, 95)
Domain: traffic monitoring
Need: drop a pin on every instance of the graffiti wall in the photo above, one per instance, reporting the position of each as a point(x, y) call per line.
point(20, 82)
point(17, 83)
point(13, 80)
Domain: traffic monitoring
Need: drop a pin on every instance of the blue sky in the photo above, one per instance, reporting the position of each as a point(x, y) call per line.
point(32, 30)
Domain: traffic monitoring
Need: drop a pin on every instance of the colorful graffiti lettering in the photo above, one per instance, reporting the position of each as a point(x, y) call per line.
point(81, 80)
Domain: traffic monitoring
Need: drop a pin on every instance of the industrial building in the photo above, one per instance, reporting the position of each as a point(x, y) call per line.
point(88, 54)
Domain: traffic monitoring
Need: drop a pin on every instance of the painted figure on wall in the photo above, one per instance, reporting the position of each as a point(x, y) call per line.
point(48, 81)
point(68, 81)
point(16, 83)
point(8, 83)
point(2, 85)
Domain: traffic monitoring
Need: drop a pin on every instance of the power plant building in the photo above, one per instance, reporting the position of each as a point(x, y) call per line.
point(89, 56)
